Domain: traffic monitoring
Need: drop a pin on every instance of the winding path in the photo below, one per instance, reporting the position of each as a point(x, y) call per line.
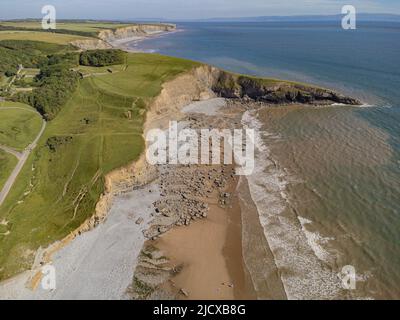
point(21, 156)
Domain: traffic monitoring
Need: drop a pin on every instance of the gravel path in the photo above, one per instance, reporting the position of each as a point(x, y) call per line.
point(22, 157)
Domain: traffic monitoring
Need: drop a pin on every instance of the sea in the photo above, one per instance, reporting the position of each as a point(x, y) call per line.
point(327, 179)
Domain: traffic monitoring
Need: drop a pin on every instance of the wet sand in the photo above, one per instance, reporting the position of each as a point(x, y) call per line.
point(211, 253)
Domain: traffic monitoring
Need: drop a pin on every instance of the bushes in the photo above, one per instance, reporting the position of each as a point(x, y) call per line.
point(30, 54)
point(56, 83)
point(54, 143)
point(101, 58)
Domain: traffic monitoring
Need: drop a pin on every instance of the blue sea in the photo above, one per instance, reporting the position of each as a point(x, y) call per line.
point(336, 169)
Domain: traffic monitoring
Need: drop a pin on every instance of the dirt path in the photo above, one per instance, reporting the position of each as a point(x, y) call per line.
point(20, 68)
point(14, 152)
point(22, 157)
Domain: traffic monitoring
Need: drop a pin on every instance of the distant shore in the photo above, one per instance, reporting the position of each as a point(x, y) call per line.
point(128, 43)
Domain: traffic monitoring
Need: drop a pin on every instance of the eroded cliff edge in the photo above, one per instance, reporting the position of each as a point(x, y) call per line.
point(106, 38)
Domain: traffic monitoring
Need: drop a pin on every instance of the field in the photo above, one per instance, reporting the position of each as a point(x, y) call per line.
point(99, 129)
point(19, 125)
point(56, 38)
point(7, 164)
point(30, 72)
point(87, 71)
point(87, 27)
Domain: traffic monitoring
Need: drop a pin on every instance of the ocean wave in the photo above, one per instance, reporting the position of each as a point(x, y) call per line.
point(298, 253)
point(316, 241)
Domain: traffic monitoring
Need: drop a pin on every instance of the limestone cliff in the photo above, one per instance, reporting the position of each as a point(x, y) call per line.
point(106, 38)
point(139, 30)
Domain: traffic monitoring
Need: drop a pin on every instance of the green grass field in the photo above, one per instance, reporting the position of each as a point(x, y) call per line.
point(87, 71)
point(100, 129)
point(7, 164)
point(19, 125)
point(56, 38)
point(90, 27)
point(30, 72)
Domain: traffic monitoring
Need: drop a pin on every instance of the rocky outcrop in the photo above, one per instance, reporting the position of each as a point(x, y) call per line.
point(276, 92)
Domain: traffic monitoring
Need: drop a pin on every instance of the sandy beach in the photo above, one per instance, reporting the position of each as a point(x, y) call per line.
point(203, 254)
point(211, 253)
point(128, 44)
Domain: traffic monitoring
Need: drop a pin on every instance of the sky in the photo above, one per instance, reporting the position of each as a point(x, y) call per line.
point(186, 9)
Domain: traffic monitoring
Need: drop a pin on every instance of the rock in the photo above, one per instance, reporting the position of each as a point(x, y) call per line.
point(139, 221)
point(230, 86)
point(184, 292)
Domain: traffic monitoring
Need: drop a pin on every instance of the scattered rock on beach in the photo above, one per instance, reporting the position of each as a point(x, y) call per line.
point(184, 292)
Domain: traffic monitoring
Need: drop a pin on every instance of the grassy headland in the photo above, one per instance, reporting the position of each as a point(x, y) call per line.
point(82, 28)
point(99, 129)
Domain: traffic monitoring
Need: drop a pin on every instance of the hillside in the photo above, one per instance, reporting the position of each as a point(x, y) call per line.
point(99, 129)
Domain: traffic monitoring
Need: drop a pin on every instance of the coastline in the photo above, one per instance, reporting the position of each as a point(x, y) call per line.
point(210, 250)
point(127, 44)
point(223, 228)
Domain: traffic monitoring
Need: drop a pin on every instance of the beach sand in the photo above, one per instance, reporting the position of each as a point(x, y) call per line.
point(129, 44)
point(211, 253)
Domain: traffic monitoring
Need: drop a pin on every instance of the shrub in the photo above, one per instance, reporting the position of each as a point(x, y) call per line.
point(101, 58)
point(56, 84)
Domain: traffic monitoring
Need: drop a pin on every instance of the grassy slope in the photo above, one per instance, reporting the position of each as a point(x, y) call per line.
point(18, 127)
point(56, 38)
point(7, 164)
point(61, 192)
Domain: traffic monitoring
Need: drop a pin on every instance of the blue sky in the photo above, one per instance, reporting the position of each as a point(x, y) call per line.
point(187, 9)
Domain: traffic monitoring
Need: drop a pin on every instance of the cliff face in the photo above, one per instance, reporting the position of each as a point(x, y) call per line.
point(205, 82)
point(107, 37)
point(138, 30)
point(276, 92)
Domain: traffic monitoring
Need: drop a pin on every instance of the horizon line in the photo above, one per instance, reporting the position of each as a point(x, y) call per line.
point(208, 18)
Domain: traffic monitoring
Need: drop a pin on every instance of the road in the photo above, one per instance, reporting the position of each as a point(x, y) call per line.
point(21, 156)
